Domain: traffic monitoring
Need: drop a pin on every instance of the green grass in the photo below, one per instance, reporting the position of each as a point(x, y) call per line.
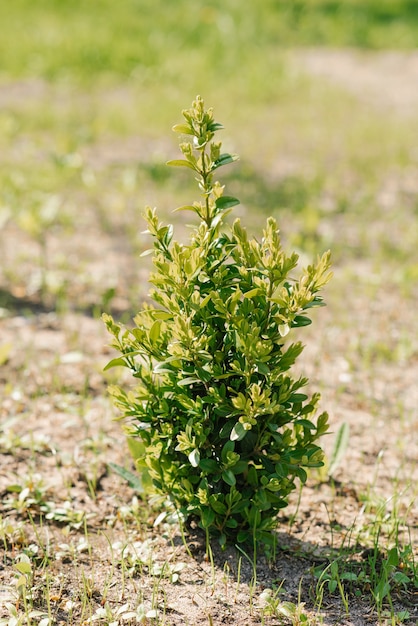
point(150, 40)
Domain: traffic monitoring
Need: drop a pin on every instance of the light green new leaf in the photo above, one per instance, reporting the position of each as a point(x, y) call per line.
point(184, 129)
point(186, 207)
point(238, 432)
point(284, 329)
point(194, 458)
point(154, 332)
point(23, 567)
point(22, 581)
point(190, 380)
point(159, 314)
point(252, 293)
point(118, 362)
point(180, 163)
point(146, 252)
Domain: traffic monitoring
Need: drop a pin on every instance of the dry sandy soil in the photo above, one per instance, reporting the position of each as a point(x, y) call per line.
point(57, 424)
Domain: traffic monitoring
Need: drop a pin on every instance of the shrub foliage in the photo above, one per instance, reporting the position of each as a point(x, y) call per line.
point(225, 431)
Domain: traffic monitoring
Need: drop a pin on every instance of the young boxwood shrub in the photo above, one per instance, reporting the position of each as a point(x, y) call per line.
point(224, 430)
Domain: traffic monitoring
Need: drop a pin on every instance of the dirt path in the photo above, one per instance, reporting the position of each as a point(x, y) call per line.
point(381, 79)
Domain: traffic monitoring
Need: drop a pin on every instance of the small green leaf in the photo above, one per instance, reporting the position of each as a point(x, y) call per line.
point(136, 447)
point(238, 432)
point(340, 447)
point(207, 517)
point(186, 207)
point(159, 314)
point(226, 430)
point(229, 478)
point(301, 474)
point(205, 301)
point(229, 446)
point(284, 330)
point(194, 458)
point(401, 579)
point(239, 467)
point(22, 581)
point(146, 252)
point(218, 507)
point(203, 374)
point(208, 465)
point(14, 488)
point(184, 129)
point(225, 202)
point(154, 332)
point(316, 302)
point(132, 479)
point(232, 523)
point(381, 590)
point(224, 159)
point(181, 163)
point(252, 293)
point(220, 216)
point(298, 397)
point(306, 424)
point(23, 567)
point(190, 380)
point(262, 368)
point(301, 320)
point(214, 126)
point(392, 558)
point(118, 362)
point(243, 536)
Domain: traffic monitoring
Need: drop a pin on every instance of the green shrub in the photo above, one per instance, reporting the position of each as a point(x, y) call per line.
point(225, 431)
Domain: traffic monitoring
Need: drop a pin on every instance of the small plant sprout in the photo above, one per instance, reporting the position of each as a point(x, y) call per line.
point(38, 221)
point(226, 431)
point(123, 614)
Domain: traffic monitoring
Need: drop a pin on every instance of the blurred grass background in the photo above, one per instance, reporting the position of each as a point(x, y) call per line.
point(90, 89)
point(153, 40)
